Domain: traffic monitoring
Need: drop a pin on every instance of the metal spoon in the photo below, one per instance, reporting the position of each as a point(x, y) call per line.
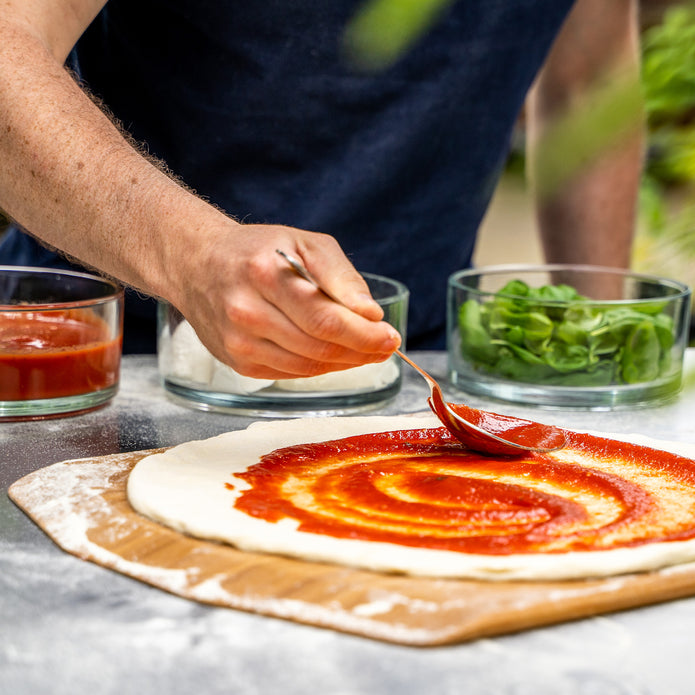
point(481, 430)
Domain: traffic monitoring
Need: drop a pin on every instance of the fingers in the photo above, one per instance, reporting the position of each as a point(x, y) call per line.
point(260, 364)
point(319, 316)
point(323, 257)
point(295, 328)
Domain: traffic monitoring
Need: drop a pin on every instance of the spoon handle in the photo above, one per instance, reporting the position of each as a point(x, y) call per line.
point(302, 271)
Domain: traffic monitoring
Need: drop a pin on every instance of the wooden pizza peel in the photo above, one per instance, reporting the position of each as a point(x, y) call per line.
point(82, 505)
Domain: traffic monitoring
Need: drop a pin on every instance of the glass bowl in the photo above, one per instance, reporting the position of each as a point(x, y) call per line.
point(193, 377)
point(567, 336)
point(60, 342)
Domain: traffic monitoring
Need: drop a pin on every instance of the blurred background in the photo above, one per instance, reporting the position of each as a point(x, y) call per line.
point(666, 230)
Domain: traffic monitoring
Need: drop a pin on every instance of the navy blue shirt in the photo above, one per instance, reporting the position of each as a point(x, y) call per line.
point(254, 106)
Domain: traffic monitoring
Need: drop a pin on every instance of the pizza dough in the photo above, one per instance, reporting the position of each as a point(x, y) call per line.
point(194, 487)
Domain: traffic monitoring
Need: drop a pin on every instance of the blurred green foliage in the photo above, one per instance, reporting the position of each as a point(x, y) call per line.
point(668, 79)
point(610, 114)
point(665, 243)
point(668, 67)
point(382, 30)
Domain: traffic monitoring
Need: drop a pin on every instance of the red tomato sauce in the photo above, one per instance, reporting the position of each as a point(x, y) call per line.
point(514, 429)
point(53, 354)
point(421, 488)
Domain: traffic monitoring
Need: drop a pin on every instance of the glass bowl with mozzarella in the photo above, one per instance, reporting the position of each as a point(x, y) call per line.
point(192, 376)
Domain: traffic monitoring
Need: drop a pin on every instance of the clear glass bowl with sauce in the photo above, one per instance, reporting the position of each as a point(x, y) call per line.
point(60, 342)
point(567, 336)
point(193, 377)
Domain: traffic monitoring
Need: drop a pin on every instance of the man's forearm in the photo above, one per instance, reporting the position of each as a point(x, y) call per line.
point(71, 178)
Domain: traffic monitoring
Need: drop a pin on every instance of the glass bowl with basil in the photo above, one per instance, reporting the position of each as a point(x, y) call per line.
point(567, 336)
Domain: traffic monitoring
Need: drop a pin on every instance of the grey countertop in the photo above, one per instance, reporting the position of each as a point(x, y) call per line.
point(72, 627)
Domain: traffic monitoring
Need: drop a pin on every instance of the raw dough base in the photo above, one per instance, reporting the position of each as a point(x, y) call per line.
point(184, 488)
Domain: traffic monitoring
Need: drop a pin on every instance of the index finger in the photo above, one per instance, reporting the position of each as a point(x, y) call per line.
point(333, 272)
point(322, 315)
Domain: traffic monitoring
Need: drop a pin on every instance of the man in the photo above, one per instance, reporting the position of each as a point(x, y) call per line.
point(267, 131)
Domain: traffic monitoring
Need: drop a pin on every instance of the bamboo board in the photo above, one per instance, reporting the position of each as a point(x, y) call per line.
point(82, 505)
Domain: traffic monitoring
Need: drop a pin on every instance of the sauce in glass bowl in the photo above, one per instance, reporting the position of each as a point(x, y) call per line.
point(46, 354)
point(60, 342)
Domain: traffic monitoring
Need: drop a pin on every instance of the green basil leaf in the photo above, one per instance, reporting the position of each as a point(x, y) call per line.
point(475, 340)
point(640, 360)
point(555, 293)
point(514, 288)
point(665, 331)
point(572, 333)
point(603, 343)
point(520, 365)
point(601, 374)
point(525, 355)
point(568, 358)
point(588, 317)
point(538, 330)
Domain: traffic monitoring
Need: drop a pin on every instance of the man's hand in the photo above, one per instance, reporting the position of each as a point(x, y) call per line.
point(257, 315)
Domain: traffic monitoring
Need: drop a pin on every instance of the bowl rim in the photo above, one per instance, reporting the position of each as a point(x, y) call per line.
point(117, 291)
point(682, 291)
point(402, 291)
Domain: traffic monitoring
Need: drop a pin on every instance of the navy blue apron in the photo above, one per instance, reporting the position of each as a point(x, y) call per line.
point(254, 106)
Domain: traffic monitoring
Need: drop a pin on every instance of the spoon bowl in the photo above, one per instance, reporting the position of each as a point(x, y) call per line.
point(487, 432)
point(480, 430)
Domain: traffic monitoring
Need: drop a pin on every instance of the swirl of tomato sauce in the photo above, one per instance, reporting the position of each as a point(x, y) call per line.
point(421, 488)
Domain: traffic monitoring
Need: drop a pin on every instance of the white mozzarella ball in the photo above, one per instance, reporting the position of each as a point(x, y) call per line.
point(366, 376)
point(188, 357)
point(224, 378)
